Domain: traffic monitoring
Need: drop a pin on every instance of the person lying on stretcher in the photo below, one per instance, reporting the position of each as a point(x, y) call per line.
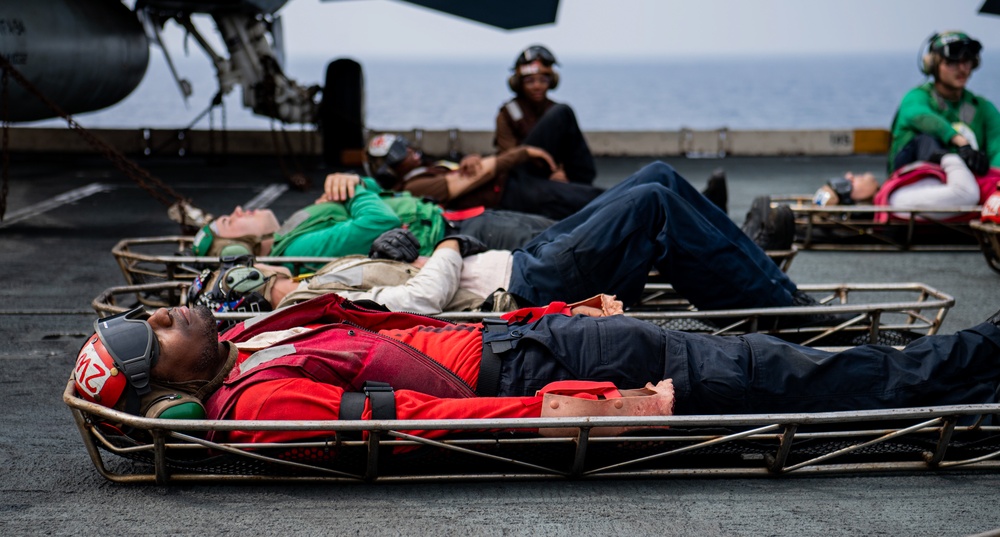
point(301, 362)
point(942, 181)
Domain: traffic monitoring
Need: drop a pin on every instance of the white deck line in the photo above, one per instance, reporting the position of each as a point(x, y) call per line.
point(266, 197)
point(52, 203)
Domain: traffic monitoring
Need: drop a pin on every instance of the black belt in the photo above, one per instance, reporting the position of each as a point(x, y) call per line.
point(352, 404)
point(489, 367)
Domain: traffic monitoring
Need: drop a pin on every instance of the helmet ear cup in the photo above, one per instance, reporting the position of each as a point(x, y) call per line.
point(242, 280)
point(928, 60)
point(553, 80)
point(234, 250)
point(928, 64)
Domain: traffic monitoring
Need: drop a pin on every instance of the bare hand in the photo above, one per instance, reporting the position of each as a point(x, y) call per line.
point(539, 153)
point(559, 175)
point(470, 165)
point(339, 187)
point(598, 306)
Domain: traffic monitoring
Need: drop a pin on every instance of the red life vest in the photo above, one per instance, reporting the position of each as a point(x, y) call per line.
point(912, 173)
point(345, 352)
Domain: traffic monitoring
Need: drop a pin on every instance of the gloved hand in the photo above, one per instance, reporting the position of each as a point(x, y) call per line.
point(467, 245)
point(397, 244)
point(976, 160)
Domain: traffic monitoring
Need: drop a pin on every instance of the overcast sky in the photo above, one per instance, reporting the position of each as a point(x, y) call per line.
point(636, 29)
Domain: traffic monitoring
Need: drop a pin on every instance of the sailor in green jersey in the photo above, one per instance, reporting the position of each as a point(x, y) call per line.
point(942, 115)
point(346, 220)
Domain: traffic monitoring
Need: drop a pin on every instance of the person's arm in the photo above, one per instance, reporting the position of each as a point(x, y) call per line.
point(304, 399)
point(430, 290)
point(459, 183)
point(919, 112)
point(522, 154)
point(368, 217)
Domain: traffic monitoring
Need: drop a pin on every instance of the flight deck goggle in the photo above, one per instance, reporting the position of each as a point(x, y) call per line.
point(536, 52)
point(957, 47)
point(132, 345)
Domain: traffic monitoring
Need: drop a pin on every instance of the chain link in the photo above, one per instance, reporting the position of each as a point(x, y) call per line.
point(152, 185)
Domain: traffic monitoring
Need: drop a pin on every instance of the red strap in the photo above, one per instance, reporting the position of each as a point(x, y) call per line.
point(583, 389)
point(534, 313)
point(464, 214)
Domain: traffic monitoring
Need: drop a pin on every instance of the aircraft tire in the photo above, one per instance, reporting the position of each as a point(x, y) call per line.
point(342, 112)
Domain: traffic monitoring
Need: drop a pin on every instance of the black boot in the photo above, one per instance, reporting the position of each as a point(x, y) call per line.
point(716, 190)
point(771, 228)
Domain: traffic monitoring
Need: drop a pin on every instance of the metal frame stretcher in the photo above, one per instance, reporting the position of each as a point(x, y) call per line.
point(910, 440)
point(852, 227)
point(158, 271)
point(884, 313)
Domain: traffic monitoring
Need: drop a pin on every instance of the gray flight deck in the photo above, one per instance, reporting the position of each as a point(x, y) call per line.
point(57, 258)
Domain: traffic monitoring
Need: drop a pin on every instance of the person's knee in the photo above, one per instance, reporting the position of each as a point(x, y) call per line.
point(561, 112)
point(659, 173)
point(649, 198)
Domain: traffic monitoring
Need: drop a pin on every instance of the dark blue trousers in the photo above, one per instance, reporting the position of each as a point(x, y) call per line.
point(653, 219)
point(753, 373)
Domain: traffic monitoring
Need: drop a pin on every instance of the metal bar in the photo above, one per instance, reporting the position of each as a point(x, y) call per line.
point(944, 439)
point(371, 469)
point(714, 441)
point(229, 449)
point(160, 458)
point(856, 447)
point(784, 449)
point(580, 454)
point(452, 447)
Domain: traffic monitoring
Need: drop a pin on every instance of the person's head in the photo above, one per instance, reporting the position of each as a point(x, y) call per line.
point(389, 157)
point(534, 74)
point(238, 233)
point(131, 351)
point(950, 58)
point(847, 190)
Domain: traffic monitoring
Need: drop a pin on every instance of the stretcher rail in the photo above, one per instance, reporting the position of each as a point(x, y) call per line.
point(852, 227)
point(886, 313)
point(944, 438)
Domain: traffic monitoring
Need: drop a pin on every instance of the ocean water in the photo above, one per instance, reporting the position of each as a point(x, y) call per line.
point(737, 93)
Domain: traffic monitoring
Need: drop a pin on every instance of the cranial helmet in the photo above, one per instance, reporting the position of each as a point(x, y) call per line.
point(951, 45)
point(236, 286)
point(116, 360)
point(207, 242)
point(525, 65)
point(384, 153)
